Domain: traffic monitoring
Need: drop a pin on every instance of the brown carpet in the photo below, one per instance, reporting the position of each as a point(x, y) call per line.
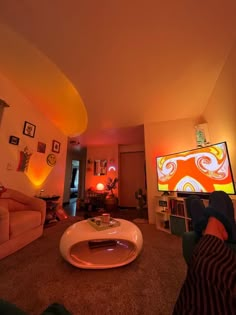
point(36, 276)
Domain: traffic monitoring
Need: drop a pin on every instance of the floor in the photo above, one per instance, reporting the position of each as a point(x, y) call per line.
point(126, 213)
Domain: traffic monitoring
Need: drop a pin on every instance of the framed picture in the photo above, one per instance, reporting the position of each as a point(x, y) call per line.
point(14, 140)
point(29, 129)
point(56, 146)
point(41, 147)
point(100, 167)
point(202, 135)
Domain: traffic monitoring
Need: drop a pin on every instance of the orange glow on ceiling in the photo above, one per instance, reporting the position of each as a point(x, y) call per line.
point(42, 82)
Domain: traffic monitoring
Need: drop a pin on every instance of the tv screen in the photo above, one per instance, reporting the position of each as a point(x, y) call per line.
point(201, 170)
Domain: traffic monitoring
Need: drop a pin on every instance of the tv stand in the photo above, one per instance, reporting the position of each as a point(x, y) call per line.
point(172, 214)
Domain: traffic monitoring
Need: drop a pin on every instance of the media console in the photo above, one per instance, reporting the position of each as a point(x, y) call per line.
point(172, 215)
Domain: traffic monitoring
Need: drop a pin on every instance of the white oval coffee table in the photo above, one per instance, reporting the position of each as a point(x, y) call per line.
point(84, 246)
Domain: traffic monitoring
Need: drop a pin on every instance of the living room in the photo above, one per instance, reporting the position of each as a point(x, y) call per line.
point(160, 138)
point(196, 87)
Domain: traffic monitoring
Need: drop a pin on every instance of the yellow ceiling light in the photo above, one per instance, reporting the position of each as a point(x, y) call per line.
point(42, 82)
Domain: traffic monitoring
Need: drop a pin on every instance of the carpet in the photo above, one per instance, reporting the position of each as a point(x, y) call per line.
point(37, 276)
point(140, 221)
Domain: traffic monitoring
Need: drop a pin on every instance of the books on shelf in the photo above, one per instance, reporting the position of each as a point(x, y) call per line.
point(177, 207)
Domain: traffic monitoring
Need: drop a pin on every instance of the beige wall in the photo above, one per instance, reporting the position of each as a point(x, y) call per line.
point(174, 136)
point(12, 123)
point(221, 109)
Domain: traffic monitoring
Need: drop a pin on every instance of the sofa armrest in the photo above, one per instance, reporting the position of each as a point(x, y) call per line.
point(37, 204)
point(4, 224)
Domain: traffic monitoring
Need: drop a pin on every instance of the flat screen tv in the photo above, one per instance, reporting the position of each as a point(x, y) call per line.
point(201, 170)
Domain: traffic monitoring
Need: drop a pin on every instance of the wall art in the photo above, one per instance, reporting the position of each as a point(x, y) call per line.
point(202, 135)
point(29, 129)
point(41, 147)
point(24, 159)
point(14, 140)
point(56, 146)
point(51, 159)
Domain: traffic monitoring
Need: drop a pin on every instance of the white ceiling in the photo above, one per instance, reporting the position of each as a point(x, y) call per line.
point(131, 61)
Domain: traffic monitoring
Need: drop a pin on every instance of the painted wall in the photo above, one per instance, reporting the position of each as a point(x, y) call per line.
point(164, 138)
point(39, 174)
point(220, 112)
point(109, 153)
point(178, 135)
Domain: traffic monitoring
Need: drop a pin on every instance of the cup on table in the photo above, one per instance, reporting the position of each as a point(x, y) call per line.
point(106, 217)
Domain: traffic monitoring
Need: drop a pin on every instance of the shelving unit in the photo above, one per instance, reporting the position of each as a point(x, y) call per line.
point(172, 215)
point(162, 214)
point(163, 221)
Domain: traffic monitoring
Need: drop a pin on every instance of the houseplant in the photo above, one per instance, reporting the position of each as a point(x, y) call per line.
point(141, 198)
point(111, 201)
point(111, 185)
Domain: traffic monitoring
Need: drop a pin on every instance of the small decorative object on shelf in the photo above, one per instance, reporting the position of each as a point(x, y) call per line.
point(172, 215)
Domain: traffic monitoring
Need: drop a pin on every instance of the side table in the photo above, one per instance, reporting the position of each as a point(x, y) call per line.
point(51, 207)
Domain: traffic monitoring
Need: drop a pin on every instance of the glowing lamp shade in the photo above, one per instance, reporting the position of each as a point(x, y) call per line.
point(100, 186)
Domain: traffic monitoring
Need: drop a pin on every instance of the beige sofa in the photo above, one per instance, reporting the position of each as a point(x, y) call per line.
point(21, 220)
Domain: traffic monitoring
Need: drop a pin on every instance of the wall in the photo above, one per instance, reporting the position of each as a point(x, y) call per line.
point(220, 113)
point(39, 175)
point(163, 138)
point(174, 136)
point(106, 152)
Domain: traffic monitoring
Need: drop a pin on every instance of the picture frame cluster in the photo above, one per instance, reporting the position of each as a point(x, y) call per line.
point(29, 130)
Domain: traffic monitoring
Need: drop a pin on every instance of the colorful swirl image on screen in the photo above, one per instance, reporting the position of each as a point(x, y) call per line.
point(201, 170)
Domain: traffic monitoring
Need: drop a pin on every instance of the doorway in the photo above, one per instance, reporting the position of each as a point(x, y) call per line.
point(132, 177)
point(74, 183)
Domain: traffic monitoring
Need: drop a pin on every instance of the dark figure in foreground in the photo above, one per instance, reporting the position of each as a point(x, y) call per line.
point(7, 308)
point(210, 284)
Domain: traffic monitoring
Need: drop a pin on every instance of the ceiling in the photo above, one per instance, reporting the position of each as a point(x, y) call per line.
point(130, 61)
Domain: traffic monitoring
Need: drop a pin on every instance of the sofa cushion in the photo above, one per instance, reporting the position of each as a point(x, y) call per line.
point(22, 221)
point(14, 205)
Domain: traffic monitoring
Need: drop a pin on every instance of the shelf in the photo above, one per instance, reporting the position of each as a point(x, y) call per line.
point(164, 230)
point(178, 216)
point(162, 212)
point(175, 215)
